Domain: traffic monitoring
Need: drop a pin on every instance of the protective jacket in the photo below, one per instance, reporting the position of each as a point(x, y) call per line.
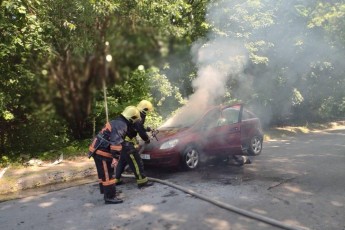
point(109, 139)
point(130, 155)
point(138, 128)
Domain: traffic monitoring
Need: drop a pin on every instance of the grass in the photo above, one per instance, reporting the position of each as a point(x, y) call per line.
point(73, 150)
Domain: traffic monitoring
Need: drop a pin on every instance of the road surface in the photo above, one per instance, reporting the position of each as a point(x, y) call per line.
point(298, 181)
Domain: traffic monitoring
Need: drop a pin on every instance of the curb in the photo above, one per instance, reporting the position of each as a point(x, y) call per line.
point(17, 179)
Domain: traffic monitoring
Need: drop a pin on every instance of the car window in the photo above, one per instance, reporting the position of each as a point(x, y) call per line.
point(229, 116)
point(210, 119)
point(247, 115)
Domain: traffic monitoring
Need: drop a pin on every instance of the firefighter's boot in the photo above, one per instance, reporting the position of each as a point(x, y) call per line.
point(110, 195)
point(101, 189)
point(144, 185)
point(112, 200)
point(118, 182)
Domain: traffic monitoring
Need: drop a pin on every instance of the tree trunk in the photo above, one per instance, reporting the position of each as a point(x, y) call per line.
point(75, 83)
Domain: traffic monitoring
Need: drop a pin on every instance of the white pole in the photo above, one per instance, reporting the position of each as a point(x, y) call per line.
point(107, 59)
point(105, 101)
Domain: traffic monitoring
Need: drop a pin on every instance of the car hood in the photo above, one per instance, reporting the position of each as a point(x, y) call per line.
point(164, 135)
point(170, 132)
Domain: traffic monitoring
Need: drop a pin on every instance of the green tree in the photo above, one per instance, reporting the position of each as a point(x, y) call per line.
point(23, 51)
point(294, 60)
point(138, 33)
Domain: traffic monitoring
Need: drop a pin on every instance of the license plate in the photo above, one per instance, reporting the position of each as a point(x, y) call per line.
point(145, 156)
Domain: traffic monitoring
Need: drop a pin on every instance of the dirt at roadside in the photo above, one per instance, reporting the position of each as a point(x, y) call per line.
point(16, 179)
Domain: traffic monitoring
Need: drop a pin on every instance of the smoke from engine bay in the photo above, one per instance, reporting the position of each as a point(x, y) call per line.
point(284, 52)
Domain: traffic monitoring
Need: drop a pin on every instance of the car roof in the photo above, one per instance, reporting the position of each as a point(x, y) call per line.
point(224, 106)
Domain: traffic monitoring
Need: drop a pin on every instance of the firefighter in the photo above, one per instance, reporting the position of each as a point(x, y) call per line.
point(106, 148)
point(130, 154)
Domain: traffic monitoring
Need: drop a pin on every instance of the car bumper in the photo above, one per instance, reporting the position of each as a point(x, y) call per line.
point(166, 159)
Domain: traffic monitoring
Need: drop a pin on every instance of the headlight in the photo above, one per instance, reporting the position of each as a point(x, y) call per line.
point(169, 144)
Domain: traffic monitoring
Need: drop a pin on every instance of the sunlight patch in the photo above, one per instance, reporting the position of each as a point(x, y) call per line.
point(173, 217)
point(146, 208)
point(336, 203)
point(88, 205)
point(260, 211)
point(296, 189)
point(45, 204)
point(281, 160)
point(217, 223)
point(295, 223)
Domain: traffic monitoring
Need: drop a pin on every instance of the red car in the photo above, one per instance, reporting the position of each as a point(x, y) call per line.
point(222, 131)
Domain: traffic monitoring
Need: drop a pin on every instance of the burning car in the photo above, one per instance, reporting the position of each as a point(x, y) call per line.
point(221, 131)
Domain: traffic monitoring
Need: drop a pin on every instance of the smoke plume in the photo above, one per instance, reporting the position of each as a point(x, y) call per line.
point(278, 38)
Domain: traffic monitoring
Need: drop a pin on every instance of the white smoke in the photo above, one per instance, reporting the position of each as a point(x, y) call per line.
point(217, 61)
point(282, 51)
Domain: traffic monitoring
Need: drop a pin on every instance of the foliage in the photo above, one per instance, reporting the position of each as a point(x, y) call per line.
point(294, 55)
point(72, 150)
point(166, 96)
point(43, 132)
point(22, 52)
point(136, 32)
point(145, 84)
point(53, 66)
point(330, 17)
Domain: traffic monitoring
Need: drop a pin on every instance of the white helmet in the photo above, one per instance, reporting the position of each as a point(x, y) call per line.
point(145, 106)
point(131, 113)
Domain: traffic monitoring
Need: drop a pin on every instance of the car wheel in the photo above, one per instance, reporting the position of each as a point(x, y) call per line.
point(255, 146)
point(191, 158)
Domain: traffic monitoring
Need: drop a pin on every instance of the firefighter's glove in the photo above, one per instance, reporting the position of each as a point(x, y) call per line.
point(114, 163)
point(115, 154)
point(148, 129)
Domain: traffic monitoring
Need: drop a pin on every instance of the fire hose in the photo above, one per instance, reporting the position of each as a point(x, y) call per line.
point(225, 206)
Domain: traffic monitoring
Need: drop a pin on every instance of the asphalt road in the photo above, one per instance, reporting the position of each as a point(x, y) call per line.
point(298, 181)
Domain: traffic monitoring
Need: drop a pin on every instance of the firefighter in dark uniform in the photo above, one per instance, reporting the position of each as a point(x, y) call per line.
point(106, 149)
point(129, 153)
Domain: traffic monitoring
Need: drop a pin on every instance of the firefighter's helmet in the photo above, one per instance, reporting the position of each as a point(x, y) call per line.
point(131, 113)
point(145, 106)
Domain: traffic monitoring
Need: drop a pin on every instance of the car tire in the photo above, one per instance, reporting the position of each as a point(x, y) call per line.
point(191, 158)
point(255, 145)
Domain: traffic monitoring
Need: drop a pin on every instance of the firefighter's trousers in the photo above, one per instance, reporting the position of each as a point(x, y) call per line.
point(105, 176)
point(129, 155)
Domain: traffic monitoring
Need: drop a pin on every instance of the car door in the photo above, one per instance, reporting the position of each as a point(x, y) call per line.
point(224, 137)
point(250, 126)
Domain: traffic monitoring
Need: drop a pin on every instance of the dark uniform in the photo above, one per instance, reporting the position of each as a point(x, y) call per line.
point(130, 155)
point(108, 146)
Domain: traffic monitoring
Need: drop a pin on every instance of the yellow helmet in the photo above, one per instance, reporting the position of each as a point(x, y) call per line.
point(131, 113)
point(145, 106)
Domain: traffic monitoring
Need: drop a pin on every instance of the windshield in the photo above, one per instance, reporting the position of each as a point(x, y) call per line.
point(188, 116)
point(184, 118)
